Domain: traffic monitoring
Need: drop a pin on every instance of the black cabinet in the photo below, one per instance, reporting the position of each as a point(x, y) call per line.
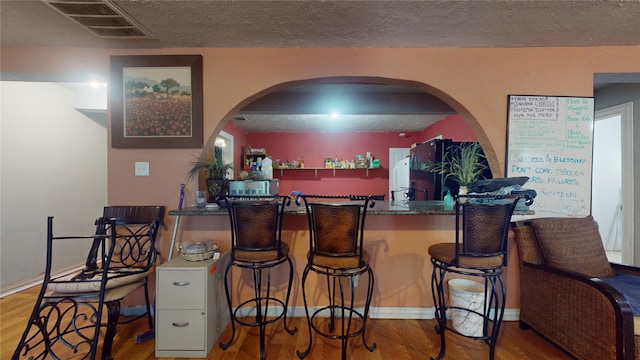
point(426, 185)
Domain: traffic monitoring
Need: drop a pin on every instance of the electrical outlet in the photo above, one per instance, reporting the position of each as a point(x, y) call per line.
point(354, 281)
point(142, 168)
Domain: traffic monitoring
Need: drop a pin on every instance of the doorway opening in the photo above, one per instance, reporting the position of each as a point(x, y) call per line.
point(224, 140)
point(612, 192)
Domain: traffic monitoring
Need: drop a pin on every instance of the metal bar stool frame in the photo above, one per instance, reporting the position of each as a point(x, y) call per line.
point(480, 250)
point(258, 248)
point(356, 212)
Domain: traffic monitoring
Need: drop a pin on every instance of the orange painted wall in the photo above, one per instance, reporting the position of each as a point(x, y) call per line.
point(474, 82)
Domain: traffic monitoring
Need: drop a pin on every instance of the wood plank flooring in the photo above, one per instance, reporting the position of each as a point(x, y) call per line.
point(395, 339)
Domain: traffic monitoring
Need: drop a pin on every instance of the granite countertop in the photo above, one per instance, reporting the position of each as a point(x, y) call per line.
point(400, 207)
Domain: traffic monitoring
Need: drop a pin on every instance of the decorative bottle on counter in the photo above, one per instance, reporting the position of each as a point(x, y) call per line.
point(448, 201)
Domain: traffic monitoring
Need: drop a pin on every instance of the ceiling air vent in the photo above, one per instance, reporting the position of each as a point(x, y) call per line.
point(102, 18)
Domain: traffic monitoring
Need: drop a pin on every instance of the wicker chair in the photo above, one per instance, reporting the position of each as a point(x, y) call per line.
point(580, 313)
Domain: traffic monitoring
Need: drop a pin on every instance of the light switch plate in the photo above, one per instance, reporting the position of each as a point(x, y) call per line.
point(142, 168)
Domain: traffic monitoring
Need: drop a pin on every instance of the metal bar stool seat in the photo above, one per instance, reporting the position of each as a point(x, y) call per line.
point(336, 251)
point(263, 256)
point(256, 237)
point(445, 253)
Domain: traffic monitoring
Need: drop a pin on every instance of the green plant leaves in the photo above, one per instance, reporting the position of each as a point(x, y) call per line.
point(460, 162)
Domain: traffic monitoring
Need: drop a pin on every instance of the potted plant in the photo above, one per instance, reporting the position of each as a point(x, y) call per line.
point(216, 172)
point(462, 163)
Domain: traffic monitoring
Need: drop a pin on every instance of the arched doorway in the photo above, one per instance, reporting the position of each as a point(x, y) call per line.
point(375, 111)
point(399, 103)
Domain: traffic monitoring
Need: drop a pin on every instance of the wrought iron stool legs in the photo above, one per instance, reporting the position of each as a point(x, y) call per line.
point(492, 313)
point(347, 313)
point(261, 304)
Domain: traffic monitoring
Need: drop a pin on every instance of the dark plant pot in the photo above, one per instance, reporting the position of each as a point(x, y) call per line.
point(217, 189)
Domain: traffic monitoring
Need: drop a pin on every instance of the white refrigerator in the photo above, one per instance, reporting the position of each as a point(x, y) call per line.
point(400, 180)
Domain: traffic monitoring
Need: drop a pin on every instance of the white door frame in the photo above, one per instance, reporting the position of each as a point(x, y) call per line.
point(626, 114)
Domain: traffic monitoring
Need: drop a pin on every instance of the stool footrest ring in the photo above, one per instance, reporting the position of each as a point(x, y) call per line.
point(270, 320)
point(356, 316)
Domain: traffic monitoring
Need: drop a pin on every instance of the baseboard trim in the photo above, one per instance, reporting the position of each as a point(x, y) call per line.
point(35, 281)
point(418, 313)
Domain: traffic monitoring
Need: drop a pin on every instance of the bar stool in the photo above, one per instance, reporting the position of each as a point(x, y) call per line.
point(336, 232)
point(256, 228)
point(479, 250)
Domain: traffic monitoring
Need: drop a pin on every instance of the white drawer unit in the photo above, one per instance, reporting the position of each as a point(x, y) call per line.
point(191, 308)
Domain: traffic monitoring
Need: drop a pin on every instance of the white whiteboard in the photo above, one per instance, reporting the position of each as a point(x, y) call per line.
point(550, 140)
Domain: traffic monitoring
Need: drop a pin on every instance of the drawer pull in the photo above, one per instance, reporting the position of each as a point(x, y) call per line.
point(181, 283)
point(181, 324)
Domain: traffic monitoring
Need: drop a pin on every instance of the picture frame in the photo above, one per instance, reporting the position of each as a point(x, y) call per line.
point(156, 101)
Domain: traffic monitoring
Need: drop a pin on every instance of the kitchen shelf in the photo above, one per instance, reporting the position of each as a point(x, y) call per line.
point(316, 169)
point(251, 158)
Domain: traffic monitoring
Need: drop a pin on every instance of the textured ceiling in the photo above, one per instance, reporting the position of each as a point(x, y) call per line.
point(330, 24)
point(359, 106)
point(273, 24)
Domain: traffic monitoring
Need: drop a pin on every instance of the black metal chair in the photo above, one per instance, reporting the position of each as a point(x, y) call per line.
point(409, 194)
point(256, 238)
point(68, 314)
point(364, 197)
point(479, 250)
point(336, 233)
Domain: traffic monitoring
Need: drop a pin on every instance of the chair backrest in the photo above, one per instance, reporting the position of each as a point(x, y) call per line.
point(256, 222)
point(136, 230)
point(528, 248)
point(482, 226)
point(336, 228)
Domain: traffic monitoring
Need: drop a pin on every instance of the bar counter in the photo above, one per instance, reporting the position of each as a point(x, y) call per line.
point(403, 207)
point(397, 245)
